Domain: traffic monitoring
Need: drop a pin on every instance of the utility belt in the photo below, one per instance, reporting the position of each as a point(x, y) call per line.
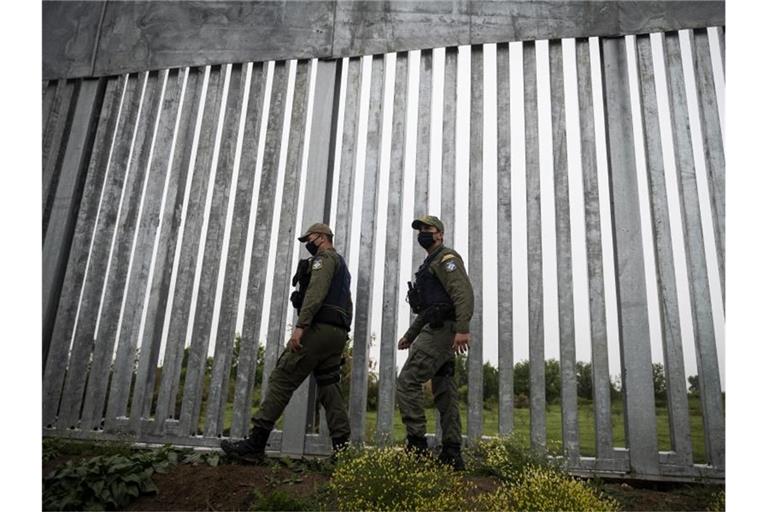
point(332, 315)
point(437, 314)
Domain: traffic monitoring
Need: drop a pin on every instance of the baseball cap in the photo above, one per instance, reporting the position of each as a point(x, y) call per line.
point(317, 227)
point(428, 220)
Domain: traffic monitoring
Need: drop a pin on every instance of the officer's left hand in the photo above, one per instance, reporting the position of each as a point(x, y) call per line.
point(295, 342)
point(461, 342)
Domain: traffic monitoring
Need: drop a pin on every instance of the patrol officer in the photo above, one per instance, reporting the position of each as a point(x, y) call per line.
point(315, 346)
point(444, 302)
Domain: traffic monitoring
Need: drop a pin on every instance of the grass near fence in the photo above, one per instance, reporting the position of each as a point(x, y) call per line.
point(554, 425)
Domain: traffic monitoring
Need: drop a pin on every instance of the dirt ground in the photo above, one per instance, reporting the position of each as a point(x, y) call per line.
point(224, 487)
point(637, 495)
point(232, 486)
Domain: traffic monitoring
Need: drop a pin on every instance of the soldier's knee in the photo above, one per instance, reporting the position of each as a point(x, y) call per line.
point(406, 380)
point(400, 385)
point(404, 392)
point(328, 375)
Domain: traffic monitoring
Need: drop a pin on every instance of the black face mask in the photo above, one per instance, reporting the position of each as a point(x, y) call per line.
point(426, 239)
point(312, 247)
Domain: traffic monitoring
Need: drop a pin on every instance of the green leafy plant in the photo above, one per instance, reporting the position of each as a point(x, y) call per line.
point(542, 488)
point(393, 479)
point(279, 500)
point(194, 458)
point(105, 482)
point(51, 449)
point(276, 478)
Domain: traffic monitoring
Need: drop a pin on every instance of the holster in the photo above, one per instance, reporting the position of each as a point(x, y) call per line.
point(413, 298)
point(301, 278)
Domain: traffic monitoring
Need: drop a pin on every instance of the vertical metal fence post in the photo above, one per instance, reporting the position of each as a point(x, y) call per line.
point(639, 407)
point(316, 201)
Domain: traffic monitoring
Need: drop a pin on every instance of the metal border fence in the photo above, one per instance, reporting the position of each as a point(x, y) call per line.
point(172, 200)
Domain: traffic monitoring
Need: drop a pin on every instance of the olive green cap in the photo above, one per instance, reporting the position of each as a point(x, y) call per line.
point(428, 220)
point(318, 227)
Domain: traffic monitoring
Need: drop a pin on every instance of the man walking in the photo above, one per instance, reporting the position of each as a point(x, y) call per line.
point(443, 301)
point(316, 345)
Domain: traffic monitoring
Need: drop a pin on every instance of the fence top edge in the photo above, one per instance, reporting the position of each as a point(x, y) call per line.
point(81, 41)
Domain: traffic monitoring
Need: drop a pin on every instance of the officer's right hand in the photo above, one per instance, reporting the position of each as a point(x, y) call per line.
point(461, 342)
point(404, 343)
point(294, 344)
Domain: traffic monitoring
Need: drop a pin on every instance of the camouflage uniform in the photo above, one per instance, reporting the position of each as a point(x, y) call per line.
point(323, 345)
point(325, 317)
point(432, 356)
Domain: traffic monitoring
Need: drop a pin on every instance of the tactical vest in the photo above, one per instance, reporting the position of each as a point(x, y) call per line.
point(436, 304)
point(337, 306)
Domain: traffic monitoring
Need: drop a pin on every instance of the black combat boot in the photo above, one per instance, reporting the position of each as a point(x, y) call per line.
point(451, 455)
point(417, 444)
point(250, 449)
point(340, 443)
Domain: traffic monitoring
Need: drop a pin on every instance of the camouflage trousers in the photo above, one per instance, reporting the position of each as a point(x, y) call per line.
point(321, 354)
point(431, 358)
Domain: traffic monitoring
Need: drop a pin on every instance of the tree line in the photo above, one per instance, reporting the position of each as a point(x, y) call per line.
point(552, 383)
point(521, 380)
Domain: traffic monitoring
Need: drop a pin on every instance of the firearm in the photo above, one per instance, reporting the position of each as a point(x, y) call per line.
point(301, 278)
point(414, 299)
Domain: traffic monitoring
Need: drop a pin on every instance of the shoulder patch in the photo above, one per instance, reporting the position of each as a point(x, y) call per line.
point(447, 257)
point(317, 264)
point(449, 266)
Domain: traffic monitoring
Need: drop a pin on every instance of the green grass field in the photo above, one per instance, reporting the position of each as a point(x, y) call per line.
point(554, 425)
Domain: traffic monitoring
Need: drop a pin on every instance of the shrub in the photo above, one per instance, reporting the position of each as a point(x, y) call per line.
point(503, 458)
point(541, 488)
point(393, 479)
point(51, 449)
point(717, 503)
point(279, 500)
point(104, 482)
